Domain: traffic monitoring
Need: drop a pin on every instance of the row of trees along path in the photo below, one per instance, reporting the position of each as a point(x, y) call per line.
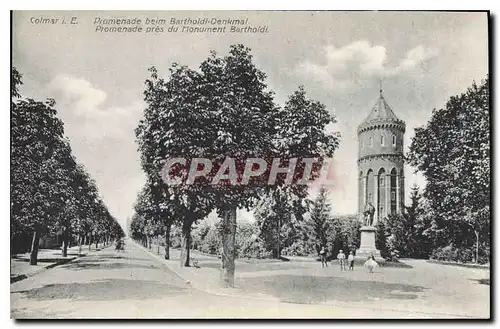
point(223, 109)
point(50, 191)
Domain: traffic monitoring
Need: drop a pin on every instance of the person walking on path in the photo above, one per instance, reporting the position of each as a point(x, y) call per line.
point(341, 258)
point(350, 260)
point(322, 255)
point(371, 263)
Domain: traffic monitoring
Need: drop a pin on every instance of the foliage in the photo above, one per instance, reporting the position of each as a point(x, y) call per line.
point(248, 242)
point(343, 234)
point(300, 134)
point(454, 254)
point(199, 233)
point(320, 220)
point(452, 151)
point(300, 248)
point(211, 243)
point(201, 114)
point(274, 214)
point(51, 192)
point(381, 239)
point(175, 236)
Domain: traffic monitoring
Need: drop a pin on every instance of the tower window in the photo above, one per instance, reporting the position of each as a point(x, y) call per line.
point(381, 181)
point(394, 141)
point(382, 140)
point(393, 196)
point(371, 142)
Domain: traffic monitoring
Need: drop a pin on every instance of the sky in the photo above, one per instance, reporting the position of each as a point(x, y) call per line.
point(97, 78)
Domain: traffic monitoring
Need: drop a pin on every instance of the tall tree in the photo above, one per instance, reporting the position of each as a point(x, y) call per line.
point(419, 244)
point(223, 111)
point(50, 192)
point(320, 219)
point(302, 134)
point(36, 147)
point(240, 125)
point(274, 214)
point(453, 153)
point(173, 127)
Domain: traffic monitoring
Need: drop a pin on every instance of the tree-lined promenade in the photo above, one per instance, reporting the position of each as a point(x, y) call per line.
point(224, 109)
point(51, 193)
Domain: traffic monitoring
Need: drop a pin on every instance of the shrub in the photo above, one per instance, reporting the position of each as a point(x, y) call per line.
point(299, 248)
point(252, 248)
point(175, 237)
point(453, 254)
point(248, 243)
point(392, 251)
point(211, 243)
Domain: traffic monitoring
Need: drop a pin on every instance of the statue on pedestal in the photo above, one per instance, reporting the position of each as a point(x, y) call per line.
point(367, 244)
point(368, 214)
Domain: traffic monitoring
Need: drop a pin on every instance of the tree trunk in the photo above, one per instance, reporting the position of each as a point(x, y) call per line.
point(80, 241)
point(186, 241)
point(477, 246)
point(158, 244)
point(90, 242)
point(34, 247)
point(65, 239)
point(167, 241)
point(96, 242)
point(228, 248)
point(278, 251)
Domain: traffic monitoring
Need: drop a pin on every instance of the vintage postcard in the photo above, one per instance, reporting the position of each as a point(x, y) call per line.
point(250, 164)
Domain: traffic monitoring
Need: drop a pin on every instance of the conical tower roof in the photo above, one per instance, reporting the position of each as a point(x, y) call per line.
point(381, 110)
point(381, 113)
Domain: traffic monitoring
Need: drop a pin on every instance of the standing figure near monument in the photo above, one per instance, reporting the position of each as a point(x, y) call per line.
point(350, 260)
point(322, 255)
point(341, 258)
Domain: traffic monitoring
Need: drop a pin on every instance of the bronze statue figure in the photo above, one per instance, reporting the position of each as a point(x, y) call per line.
point(368, 214)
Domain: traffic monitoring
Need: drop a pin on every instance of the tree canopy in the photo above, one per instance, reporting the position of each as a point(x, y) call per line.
point(452, 151)
point(50, 191)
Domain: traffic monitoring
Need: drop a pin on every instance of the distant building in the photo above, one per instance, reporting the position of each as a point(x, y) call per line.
point(380, 161)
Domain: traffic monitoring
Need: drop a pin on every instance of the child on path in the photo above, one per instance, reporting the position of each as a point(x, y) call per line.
point(350, 259)
point(341, 258)
point(322, 255)
point(371, 263)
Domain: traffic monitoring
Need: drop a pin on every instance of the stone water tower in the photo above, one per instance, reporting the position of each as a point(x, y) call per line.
point(380, 168)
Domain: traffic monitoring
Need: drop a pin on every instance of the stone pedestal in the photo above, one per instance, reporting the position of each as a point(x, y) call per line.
point(367, 245)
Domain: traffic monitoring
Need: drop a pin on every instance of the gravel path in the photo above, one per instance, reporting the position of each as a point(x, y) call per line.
point(134, 284)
